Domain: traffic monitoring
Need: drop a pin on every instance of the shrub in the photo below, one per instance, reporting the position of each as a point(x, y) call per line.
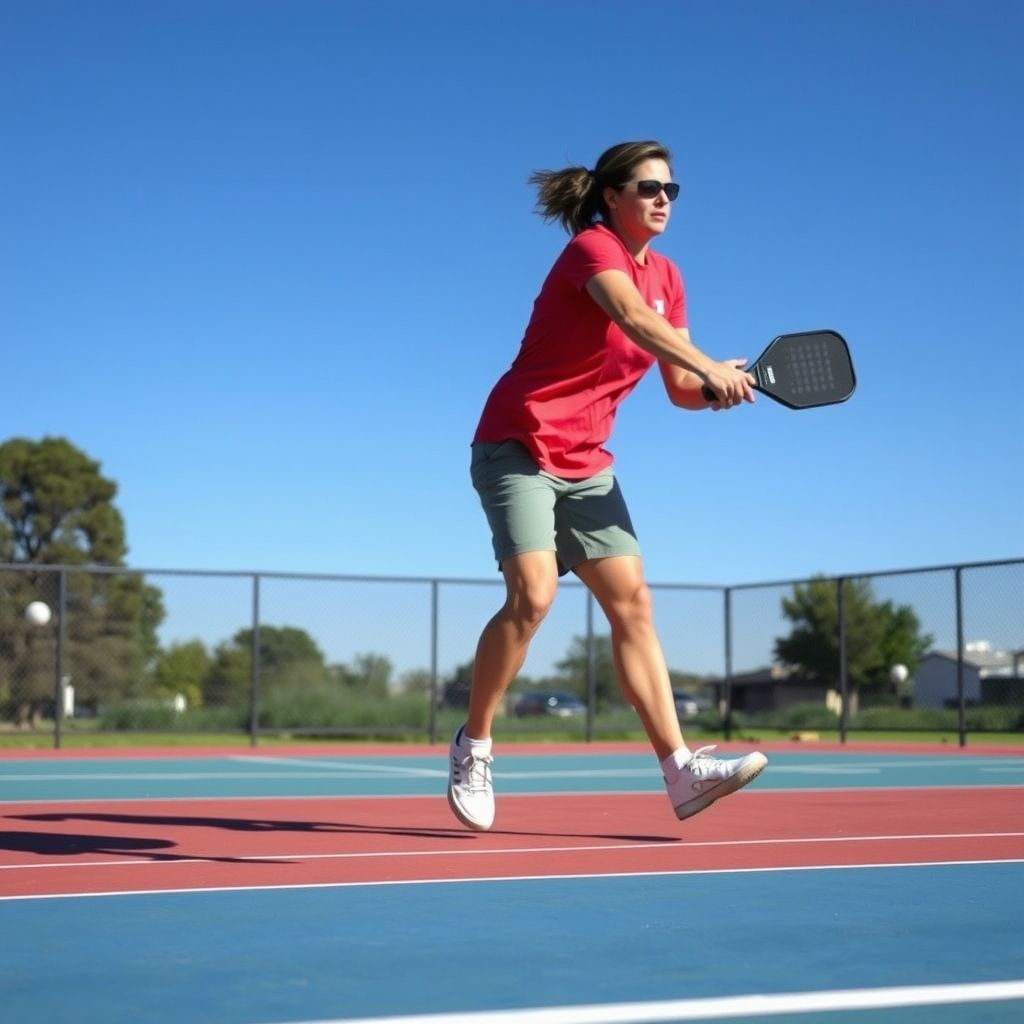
point(151, 715)
point(340, 708)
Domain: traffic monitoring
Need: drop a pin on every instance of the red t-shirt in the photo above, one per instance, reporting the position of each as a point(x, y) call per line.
point(575, 366)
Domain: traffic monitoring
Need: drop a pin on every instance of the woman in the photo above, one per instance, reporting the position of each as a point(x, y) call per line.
point(609, 309)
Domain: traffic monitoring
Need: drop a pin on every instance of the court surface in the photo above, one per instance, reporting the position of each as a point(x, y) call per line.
point(279, 885)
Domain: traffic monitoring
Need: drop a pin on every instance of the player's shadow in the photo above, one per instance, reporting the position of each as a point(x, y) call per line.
point(335, 827)
point(246, 824)
point(70, 844)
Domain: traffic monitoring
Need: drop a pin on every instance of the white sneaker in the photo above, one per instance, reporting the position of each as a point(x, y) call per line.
point(706, 779)
point(470, 792)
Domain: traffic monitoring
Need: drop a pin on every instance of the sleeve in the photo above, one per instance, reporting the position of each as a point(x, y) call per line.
point(677, 298)
point(590, 252)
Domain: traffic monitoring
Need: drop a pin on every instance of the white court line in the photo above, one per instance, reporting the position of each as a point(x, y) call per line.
point(347, 766)
point(1000, 764)
point(373, 770)
point(718, 1007)
point(680, 845)
point(365, 767)
point(608, 875)
point(878, 766)
point(175, 776)
point(775, 769)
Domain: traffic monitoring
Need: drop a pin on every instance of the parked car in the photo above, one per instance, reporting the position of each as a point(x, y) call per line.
point(561, 705)
point(687, 705)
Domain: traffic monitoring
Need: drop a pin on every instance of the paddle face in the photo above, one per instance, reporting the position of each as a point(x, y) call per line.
point(804, 371)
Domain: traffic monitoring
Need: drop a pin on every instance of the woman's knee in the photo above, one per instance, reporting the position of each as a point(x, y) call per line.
point(621, 589)
point(530, 603)
point(532, 584)
point(633, 608)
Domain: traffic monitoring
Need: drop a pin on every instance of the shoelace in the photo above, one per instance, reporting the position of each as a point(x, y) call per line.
point(478, 773)
point(702, 764)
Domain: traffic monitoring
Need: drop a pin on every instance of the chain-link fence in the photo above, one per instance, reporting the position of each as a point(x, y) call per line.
point(936, 649)
point(104, 649)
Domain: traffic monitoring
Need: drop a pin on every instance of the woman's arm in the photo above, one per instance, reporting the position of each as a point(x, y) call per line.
point(684, 388)
point(616, 294)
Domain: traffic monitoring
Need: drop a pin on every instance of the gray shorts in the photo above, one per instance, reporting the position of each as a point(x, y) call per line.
point(529, 509)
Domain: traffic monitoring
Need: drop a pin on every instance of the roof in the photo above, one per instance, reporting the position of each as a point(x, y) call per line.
point(981, 657)
point(760, 676)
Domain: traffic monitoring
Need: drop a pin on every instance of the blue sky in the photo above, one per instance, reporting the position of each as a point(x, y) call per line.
point(264, 261)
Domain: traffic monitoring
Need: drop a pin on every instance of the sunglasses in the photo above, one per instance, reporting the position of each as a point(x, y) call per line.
point(649, 189)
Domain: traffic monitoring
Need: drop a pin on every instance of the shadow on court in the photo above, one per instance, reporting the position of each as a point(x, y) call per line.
point(67, 844)
point(340, 828)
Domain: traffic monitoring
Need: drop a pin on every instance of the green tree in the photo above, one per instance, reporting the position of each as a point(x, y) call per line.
point(878, 635)
point(287, 656)
point(182, 668)
point(455, 688)
point(56, 507)
point(369, 674)
point(416, 682)
point(286, 653)
point(902, 641)
point(228, 683)
point(573, 670)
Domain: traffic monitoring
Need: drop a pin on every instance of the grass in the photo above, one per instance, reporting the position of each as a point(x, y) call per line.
point(508, 731)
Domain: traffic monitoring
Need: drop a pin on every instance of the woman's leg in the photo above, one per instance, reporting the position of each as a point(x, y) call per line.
point(618, 585)
point(531, 580)
point(694, 780)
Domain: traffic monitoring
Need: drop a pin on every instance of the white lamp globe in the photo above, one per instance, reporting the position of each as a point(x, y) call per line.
point(38, 613)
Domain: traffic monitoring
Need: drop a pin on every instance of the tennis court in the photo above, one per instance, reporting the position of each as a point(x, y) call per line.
point(278, 885)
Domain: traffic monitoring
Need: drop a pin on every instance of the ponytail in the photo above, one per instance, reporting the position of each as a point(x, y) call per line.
point(567, 196)
point(575, 196)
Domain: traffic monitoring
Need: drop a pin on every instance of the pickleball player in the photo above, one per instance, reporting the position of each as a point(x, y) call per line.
point(610, 308)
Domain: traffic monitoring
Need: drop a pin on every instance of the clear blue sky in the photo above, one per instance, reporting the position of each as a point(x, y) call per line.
point(264, 261)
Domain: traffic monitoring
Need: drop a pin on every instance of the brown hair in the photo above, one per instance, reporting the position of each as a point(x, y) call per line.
point(574, 196)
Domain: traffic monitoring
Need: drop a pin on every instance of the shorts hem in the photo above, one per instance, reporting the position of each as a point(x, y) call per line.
point(613, 551)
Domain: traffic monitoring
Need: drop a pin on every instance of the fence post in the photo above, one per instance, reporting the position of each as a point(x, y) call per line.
point(254, 692)
point(433, 660)
point(844, 686)
point(591, 668)
point(960, 696)
point(725, 704)
point(58, 687)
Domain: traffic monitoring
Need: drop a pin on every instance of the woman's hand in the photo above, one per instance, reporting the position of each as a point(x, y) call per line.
point(729, 383)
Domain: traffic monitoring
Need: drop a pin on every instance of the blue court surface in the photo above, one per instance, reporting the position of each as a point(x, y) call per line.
point(526, 932)
point(241, 775)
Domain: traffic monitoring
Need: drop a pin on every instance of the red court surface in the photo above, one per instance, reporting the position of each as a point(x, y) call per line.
point(146, 846)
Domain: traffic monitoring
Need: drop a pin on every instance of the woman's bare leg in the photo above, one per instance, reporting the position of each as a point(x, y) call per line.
point(531, 580)
point(618, 585)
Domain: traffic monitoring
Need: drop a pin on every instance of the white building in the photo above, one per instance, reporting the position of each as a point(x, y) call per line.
point(935, 681)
